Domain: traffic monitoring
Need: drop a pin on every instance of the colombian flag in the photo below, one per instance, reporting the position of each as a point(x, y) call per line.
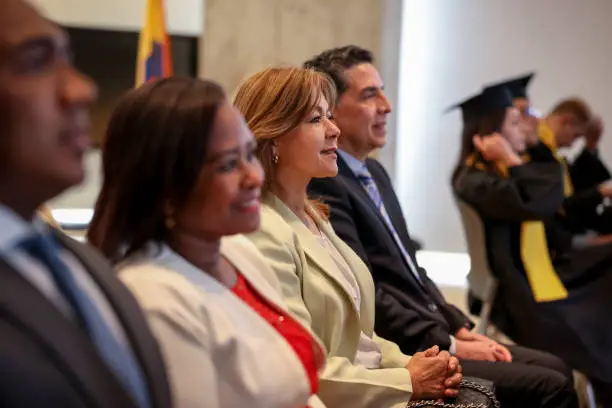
point(154, 57)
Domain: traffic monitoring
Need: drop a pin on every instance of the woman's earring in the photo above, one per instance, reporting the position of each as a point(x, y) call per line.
point(275, 159)
point(170, 222)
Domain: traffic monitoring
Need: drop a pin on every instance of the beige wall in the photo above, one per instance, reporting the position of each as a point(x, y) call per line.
point(242, 37)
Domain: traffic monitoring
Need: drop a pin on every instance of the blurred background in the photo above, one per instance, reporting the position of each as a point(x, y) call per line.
point(431, 54)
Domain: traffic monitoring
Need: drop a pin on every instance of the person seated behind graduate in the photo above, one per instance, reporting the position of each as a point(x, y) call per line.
point(588, 170)
point(569, 120)
point(566, 123)
point(181, 177)
point(555, 295)
point(581, 210)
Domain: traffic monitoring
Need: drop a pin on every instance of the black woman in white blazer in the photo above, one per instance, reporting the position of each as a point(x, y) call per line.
point(180, 177)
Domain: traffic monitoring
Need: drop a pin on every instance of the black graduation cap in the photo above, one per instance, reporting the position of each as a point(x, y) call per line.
point(495, 97)
point(518, 86)
point(469, 108)
point(490, 99)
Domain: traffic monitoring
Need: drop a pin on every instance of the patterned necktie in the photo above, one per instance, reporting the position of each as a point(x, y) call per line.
point(370, 186)
point(45, 248)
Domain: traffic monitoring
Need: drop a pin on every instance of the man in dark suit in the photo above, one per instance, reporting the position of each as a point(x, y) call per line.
point(70, 334)
point(365, 212)
point(589, 172)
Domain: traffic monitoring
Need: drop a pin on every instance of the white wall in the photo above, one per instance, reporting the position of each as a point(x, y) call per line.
point(389, 64)
point(449, 49)
point(183, 16)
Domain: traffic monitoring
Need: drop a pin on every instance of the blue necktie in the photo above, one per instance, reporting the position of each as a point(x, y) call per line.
point(45, 248)
point(372, 189)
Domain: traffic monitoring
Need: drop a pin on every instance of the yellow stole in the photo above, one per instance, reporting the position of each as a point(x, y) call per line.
point(548, 138)
point(544, 281)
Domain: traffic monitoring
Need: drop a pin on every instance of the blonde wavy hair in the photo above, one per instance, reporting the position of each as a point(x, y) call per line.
point(275, 101)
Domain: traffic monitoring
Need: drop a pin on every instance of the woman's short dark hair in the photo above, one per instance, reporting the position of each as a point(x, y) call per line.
point(154, 151)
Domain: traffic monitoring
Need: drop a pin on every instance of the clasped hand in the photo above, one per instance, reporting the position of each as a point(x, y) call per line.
point(435, 374)
point(473, 346)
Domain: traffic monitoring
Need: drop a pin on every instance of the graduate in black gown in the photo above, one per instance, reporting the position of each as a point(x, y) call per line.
point(555, 295)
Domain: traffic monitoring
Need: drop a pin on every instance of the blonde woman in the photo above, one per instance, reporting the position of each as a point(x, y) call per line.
point(325, 284)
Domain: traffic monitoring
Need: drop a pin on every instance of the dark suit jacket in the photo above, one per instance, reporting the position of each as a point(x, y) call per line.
point(588, 170)
point(48, 361)
point(581, 210)
point(412, 315)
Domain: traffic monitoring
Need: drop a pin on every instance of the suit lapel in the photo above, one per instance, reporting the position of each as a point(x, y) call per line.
point(312, 248)
point(348, 175)
point(345, 172)
point(132, 320)
point(247, 266)
point(62, 341)
point(393, 210)
point(354, 184)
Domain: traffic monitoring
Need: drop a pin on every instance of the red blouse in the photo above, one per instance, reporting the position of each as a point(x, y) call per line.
point(297, 337)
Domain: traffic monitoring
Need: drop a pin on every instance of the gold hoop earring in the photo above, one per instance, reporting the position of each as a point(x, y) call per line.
point(275, 159)
point(170, 222)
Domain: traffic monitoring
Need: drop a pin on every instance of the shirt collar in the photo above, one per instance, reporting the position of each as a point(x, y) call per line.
point(357, 166)
point(15, 229)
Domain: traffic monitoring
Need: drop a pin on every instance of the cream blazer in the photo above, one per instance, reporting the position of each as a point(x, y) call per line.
point(218, 351)
point(306, 272)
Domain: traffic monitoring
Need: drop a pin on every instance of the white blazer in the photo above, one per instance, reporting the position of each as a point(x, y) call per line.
point(218, 351)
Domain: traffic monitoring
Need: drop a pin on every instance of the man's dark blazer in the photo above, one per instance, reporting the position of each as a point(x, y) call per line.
point(588, 170)
point(46, 360)
point(582, 208)
point(413, 315)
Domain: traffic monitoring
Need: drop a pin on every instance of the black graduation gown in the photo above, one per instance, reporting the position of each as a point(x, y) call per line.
point(576, 329)
point(588, 170)
point(583, 210)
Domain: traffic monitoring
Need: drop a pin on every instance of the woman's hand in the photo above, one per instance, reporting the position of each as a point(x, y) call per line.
point(435, 374)
point(496, 148)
